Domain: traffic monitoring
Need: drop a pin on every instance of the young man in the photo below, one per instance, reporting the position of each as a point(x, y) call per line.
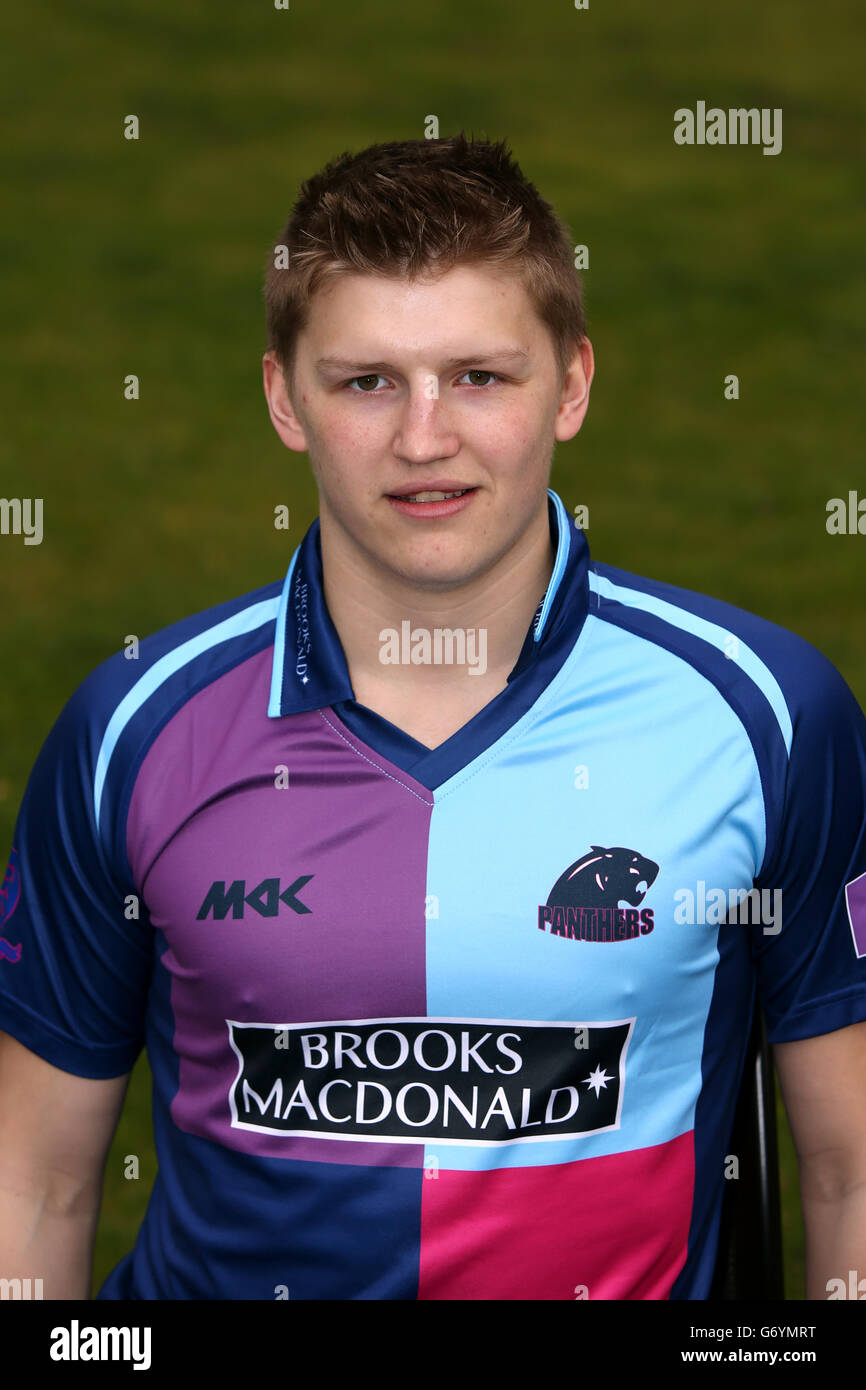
point(412, 833)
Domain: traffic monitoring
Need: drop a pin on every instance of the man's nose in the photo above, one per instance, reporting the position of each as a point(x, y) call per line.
point(425, 430)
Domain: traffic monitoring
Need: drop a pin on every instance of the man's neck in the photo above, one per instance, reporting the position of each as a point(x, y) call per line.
point(363, 602)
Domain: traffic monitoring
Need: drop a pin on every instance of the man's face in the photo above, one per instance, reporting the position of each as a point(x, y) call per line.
point(434, 385)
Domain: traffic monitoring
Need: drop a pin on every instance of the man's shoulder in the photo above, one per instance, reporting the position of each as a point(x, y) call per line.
point(205, 642)
point(724, 641)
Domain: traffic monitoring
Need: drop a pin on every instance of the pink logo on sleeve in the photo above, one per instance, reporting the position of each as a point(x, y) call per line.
point(855, 898)
point(10, 891)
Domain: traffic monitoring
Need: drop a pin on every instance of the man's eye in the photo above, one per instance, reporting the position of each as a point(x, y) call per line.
point(372, 378)
point(479, 371)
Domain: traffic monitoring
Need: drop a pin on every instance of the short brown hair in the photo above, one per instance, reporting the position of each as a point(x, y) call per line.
point(417, 207)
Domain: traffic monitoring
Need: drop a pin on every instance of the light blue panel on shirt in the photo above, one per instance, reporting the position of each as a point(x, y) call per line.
point(671, 776)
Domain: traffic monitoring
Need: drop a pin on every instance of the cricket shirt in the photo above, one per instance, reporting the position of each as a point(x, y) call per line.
point(456, 1023)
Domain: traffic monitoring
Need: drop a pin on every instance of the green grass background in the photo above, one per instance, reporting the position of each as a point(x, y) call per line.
point(146, 257)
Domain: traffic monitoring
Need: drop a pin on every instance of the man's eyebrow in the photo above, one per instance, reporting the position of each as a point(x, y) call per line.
point(342, 364)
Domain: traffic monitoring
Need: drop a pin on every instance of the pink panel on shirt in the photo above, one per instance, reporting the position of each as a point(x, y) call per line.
point(618, 1225)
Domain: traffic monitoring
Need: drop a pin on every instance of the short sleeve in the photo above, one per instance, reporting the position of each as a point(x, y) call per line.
point(811, 960)
point(75, 958)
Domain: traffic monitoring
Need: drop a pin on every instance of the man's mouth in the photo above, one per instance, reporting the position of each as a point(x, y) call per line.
point(429, 496)
point(435, 504)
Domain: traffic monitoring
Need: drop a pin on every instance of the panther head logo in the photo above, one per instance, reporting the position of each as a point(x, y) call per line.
point(604, 878)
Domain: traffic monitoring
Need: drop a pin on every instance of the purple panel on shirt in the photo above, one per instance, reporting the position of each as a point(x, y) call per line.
point(205, 810)
point(855, 896)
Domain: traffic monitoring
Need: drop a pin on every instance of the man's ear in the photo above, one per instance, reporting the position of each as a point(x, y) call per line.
point(283, 417)
point(574, 397)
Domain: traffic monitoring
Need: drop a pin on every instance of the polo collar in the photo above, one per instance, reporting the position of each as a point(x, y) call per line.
point(309, 668)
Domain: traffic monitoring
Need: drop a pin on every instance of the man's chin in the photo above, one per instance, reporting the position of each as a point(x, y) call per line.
point(435, 579)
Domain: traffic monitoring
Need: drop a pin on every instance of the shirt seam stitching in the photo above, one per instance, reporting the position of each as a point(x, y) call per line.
point(357, 751)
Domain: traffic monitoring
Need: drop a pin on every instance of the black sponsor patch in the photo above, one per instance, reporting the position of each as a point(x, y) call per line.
point(413, 1080)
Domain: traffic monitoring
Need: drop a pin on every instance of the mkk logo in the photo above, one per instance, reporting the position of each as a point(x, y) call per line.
point(10, 891)
point(264, 899)
point(584, 903)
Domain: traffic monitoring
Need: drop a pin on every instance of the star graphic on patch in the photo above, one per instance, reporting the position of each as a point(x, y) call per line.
point(597, 1079)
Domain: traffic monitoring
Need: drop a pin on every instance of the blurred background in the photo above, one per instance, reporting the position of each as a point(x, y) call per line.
point(147, 256)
